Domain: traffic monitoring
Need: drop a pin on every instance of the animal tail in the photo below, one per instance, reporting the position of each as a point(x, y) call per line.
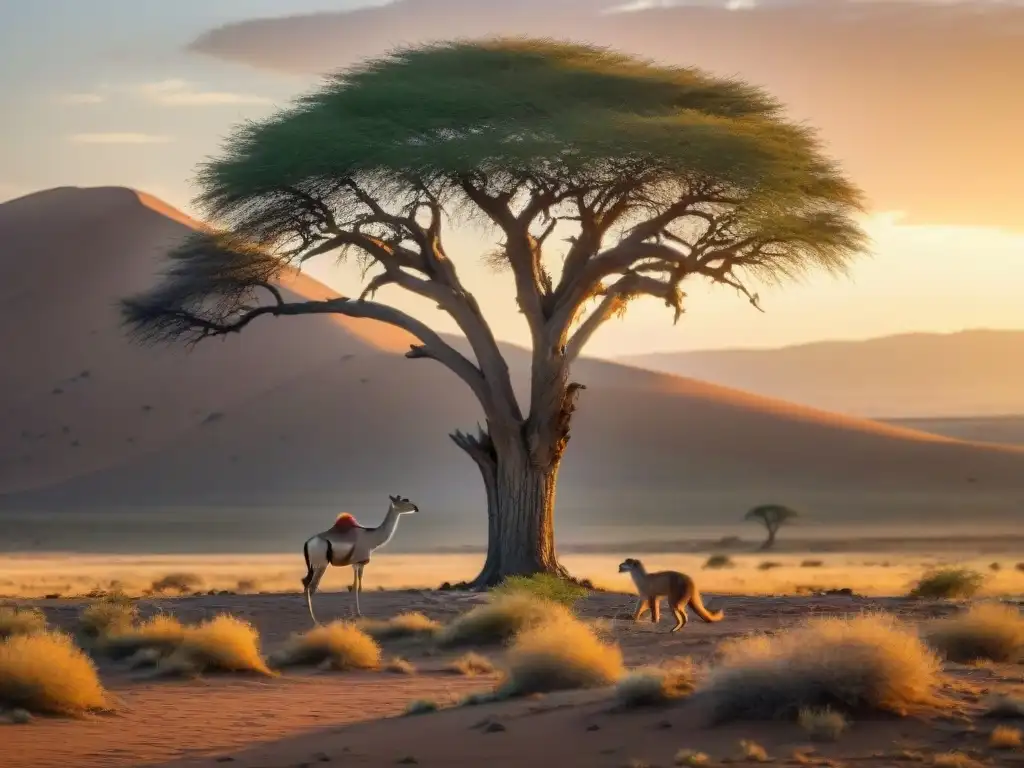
point(305, 554)
point(698, 607)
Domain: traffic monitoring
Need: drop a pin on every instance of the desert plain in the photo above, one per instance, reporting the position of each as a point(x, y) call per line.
point(309, 716)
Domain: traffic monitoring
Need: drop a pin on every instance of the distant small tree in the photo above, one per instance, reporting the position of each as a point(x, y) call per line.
point(604, 178)
point(773, 517)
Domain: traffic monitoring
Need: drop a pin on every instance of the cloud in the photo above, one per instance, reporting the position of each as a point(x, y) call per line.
point(119, 138)
point(916, 99)
point(181, 93)
point(81, 98)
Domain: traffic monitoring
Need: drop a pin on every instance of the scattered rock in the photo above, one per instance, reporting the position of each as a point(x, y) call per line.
point(410, 760)
point(593, 727)
point(494, 727)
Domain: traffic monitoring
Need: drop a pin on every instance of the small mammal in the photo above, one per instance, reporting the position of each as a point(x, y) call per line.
point(678, 589)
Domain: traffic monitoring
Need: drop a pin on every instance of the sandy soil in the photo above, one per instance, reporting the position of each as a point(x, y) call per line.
point(305, 719)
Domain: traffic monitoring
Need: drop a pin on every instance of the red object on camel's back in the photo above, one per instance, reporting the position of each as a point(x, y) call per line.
point(345, 522)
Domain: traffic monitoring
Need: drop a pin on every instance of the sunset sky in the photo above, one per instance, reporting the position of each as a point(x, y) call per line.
point(919, 101)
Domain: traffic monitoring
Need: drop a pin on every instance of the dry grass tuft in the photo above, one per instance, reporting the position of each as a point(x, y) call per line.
point(16, 622)
point(656, 686)
point(949, 583)
point(1005, 737)
point(753, 752)
point(403, 625)
point(159, 634)
point(690, 757)
point(812, 564)
point(1004, 705)
point(399, 666)
point(339, 645)
point(44, 673)
point(470, 665)
point(822, 724)
point(421, 707)
point(222, 644)
point(768, 565)
point(177, 582)
point(955, 760)
point(864, 663)
point(989, 632)
point(501, 618)
point(562, 654)
point(113, 614)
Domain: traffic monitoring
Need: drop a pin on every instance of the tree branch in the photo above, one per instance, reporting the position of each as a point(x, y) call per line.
point(178, 322)
point(616, 297)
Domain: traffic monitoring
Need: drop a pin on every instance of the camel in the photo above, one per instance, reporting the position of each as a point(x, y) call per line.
point(348, 543)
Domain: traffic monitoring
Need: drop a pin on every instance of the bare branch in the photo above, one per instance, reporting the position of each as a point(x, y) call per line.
point(156, 323)
point(617, 296)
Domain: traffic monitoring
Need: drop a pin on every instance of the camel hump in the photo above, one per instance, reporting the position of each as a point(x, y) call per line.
point(345, 522)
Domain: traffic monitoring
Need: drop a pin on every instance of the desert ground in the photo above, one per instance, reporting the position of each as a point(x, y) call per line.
point(303, 718)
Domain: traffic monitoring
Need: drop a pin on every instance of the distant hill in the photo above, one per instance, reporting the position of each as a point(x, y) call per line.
point(254, 440)
point(914, 375)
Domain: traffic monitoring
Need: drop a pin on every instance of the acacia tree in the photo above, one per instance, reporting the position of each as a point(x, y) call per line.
point(651, 176)
point(772, 517)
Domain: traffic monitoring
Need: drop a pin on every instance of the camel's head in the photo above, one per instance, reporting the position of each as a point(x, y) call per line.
point(629, 565)
point(403, 506)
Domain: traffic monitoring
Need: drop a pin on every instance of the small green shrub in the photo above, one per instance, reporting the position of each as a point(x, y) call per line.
point(950, 583)
point(544, 586)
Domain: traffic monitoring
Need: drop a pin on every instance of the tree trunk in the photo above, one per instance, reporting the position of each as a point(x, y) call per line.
point(770, 541)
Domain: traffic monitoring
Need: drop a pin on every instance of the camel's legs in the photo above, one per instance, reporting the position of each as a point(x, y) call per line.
point(655, 610)
point(312, 583)
point(357, 584)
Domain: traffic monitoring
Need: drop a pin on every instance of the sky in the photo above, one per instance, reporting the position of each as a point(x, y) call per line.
point(120, 92)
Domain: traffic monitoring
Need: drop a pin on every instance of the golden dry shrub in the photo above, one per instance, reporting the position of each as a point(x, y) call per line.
point(159, 634)
point(990, 632)
point(109, 615)
point(15, 621)
point(224, 643)
point(501, 618)
point(562, 654)
point(470, 665)
point(180, 582)
point(656, 686)
point(399, 666)
point(1005, 737)
point(339, 645)
point(45, 673)
point(864, 663)
point(404, 625)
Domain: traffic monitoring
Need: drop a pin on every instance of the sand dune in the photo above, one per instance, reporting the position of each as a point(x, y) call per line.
point(284, 424)
point(922, 375)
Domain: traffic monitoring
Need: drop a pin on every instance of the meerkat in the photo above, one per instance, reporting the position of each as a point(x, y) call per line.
point(678, 589)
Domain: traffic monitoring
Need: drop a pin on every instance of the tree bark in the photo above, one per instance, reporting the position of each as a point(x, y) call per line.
point(521, 519)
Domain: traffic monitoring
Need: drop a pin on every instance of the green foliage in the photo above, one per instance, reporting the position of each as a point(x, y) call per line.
point(772, 515)
point(544, 586)
point(950, 583)
point(535, 125)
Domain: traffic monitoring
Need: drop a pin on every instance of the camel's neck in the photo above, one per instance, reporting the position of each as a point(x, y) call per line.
point(382, 534)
